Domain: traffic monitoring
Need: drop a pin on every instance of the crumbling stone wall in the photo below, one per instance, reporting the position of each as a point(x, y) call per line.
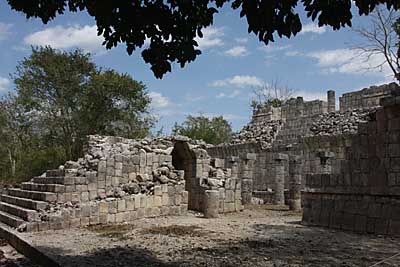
point(359, 190)
point(288, 129)
point(367, 97)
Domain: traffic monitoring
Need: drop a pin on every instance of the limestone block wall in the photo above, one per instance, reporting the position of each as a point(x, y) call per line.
point(360, 189)
point(367, 97)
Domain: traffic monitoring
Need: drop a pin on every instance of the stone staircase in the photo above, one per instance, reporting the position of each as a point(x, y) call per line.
point(19, 207)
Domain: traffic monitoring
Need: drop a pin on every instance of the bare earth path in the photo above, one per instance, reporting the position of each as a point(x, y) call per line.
point(256, 237)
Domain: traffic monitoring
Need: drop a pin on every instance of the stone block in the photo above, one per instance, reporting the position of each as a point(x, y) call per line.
point(94, 220)
point(118, 173)
point(132, 215)
point(70, 188)
point(137, 201)
point(157, 201)
point(185, 196)
point(112, 207)
point(156, 211)
point(165, 199)
point(150, 202)
point(85, 221)
point(120, 217)
point(157, 190)
point(103, 218)
point(115, 181)
point(85, 211)
point(110, 171)
point(164, 210)
point(103, 207)
point(111, 218)
point(130, 203)
point(394, 228)
point(164, 188)
point(178, 199)
point(85, 196)
point(121, 205)
point(75, 222)
point(381, 226)
point(93, 195)
point(374, 210)
point(229, 196)
point(140, 213)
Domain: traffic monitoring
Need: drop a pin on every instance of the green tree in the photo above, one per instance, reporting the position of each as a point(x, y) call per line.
point(213, 131)
point(172, 26)
point(72, 98)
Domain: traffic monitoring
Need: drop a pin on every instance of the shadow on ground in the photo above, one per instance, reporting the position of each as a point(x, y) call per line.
point(271, 245)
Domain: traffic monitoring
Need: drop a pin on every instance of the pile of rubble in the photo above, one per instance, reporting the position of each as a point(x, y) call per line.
point(336, 123)
point(262, 132)
point(102, 147)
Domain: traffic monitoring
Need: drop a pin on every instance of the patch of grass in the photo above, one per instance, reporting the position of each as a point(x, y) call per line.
point(175, 230)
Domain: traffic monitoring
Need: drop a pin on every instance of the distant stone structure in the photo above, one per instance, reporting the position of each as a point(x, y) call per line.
point(333, 153)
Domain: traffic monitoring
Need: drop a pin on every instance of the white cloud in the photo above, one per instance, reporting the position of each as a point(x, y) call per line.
point(4, 83)
point(240, 81)
point(242, 40)
point(84, 37)
point(350, 61)
point(232, 94)
point(271, 48)
point(312, 28)
point(293, 53)
point(158, 101)
point(237, 51)
point(212, 37)
point(4, 30)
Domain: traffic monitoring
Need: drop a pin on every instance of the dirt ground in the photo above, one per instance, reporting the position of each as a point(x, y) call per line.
point(255, 237)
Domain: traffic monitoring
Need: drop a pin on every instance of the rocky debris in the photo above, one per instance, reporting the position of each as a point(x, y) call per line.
point(217, 175)
point(336, 123)
point(262, 132)
point(103, 147)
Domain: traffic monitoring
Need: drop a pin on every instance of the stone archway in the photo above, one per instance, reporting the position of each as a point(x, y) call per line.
point(184, 158)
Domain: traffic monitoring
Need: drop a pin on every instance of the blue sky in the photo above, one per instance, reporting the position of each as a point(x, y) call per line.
point(222, 80)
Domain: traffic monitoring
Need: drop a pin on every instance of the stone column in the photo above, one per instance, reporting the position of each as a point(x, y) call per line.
point(280, 160)
point(211, 203)
point(247, 166)
point(295, 168)
point(331, 101)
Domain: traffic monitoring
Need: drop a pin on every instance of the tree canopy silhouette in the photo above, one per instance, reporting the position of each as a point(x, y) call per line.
point(171, 26)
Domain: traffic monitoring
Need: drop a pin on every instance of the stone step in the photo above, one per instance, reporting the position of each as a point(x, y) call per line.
point(54, 180)
point(10, 219)
point(24, 202)
point(55, 173)
point(41, 196)
point(26, 214)
point(55, 188)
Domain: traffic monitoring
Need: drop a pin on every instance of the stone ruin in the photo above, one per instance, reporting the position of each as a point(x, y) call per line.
point(342, 168)
point(120, 180)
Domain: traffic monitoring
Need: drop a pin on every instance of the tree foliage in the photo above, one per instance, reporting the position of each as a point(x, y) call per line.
point(273, 94)
point(60, 98)
point(172, 26)
point(216, 130)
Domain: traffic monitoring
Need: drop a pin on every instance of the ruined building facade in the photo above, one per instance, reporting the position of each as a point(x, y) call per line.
point(346, 163)
point(342, 167)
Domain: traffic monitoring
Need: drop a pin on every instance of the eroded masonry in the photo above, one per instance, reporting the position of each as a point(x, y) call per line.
point(341, 167)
